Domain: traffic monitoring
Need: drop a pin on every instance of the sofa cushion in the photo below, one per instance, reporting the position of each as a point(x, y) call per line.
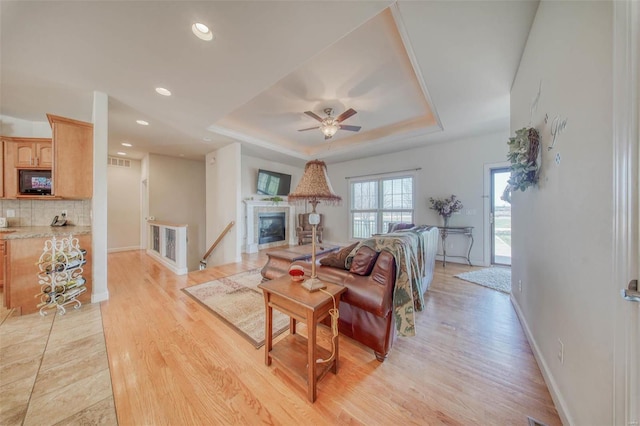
point(363, 261)
point(399, 226)
point(337, 259)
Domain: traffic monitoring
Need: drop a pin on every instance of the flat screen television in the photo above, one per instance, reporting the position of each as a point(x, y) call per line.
point(35, 182)
point(273, 183)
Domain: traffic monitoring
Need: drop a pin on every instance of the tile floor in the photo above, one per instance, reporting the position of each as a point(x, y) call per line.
point(54, 369)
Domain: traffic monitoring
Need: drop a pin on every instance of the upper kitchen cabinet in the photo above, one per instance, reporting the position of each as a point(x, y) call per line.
point(2, 170)
point(72, 171)
point(32, 153)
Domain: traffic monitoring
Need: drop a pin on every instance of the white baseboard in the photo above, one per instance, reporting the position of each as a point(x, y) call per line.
point(462, 260)
point(117, 249)
point(100, 297)
point(558, 400)
point(173, 268)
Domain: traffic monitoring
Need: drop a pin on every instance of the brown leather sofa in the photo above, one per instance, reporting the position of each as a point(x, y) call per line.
point(366, 308)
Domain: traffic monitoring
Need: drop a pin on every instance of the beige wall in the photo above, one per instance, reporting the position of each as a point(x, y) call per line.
point(177, 194)
point(224, 203)
point(250, 167)
point(123, 201)
point(455, 167)
point(562, 230)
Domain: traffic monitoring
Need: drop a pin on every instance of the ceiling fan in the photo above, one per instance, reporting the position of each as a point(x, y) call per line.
point(330, 124)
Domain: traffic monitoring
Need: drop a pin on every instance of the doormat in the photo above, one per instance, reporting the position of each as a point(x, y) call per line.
point(496, 278)
point(239, 302)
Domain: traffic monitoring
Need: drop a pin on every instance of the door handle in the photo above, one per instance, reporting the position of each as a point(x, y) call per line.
point(631, 293)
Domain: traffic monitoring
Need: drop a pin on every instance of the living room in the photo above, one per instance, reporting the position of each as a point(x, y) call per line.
point(566, 247)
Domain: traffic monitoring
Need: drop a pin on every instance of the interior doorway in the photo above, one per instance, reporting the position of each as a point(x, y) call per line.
point(500, 218)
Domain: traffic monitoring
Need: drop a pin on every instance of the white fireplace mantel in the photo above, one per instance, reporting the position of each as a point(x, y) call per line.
point(256, 207)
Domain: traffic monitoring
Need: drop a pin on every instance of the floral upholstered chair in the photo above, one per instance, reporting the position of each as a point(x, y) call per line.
point(304, 230)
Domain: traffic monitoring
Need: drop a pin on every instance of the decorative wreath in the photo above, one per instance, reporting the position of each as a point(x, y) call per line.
point(523, 154)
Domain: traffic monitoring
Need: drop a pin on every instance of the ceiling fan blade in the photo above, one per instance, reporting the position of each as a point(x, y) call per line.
point(313, 115)
point(350, 128)
point(310, 128)
point(348, 113)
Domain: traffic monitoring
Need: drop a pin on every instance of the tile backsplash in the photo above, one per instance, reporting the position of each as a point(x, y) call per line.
point(41, 212)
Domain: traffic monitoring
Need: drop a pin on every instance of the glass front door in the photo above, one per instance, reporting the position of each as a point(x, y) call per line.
point(500, 219)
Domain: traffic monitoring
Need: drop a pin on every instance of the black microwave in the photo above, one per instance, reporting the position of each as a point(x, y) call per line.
point(34, 182)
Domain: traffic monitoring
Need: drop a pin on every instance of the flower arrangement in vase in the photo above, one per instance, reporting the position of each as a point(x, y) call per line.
point(446, 207)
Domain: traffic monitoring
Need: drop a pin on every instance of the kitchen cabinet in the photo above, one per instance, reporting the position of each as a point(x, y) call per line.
point(72, 171)
point(21, 282)
point(1, 168)
point(3, 260)
point(32, 153)
point(22, 153)
point(9, 172)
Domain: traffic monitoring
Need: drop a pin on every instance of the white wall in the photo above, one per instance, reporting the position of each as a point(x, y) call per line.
point(177, 194)
point(249, 176)
point(11, 126)
point(562, 231)
point(449, 168)
point(224, 203)
point(123, 215)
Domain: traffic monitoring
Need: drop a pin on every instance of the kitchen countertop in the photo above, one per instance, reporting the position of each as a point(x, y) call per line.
point(19, 232)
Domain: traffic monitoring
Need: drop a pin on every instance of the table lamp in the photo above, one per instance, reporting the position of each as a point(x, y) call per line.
point(314, 187)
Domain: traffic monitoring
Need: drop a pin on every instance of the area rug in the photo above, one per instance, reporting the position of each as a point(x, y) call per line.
point(496, 278)
point(239, 302)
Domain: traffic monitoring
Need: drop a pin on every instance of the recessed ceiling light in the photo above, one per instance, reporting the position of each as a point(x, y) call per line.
point(162, 91)
point(127, 144)
point(122, 153)
point(202, 31)
point(142, 122)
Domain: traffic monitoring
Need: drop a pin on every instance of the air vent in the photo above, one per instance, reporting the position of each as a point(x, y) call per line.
point(118, 162)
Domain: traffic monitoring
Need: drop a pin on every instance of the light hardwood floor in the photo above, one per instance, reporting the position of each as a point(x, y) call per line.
point(174, 363)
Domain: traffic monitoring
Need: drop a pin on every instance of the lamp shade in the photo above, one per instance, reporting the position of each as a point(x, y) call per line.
point(314, 185)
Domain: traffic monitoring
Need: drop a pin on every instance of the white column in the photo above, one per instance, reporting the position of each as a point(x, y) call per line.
point(100, 291)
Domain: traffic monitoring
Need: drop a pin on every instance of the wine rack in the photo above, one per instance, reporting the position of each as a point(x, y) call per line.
point(60, 277)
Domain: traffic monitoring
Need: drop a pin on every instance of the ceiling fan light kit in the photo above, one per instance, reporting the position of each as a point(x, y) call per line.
point(330, 125)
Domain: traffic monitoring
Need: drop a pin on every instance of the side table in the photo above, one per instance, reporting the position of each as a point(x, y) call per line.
point(294, 352)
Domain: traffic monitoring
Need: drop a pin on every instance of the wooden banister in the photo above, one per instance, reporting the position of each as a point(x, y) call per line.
point(203, 262)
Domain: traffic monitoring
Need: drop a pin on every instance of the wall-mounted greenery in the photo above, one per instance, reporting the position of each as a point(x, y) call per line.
point(523, 154)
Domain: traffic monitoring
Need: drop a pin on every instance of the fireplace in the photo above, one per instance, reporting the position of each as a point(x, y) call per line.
point(271, 227)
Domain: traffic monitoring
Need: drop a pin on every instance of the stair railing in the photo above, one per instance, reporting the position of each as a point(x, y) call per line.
point(203, 262)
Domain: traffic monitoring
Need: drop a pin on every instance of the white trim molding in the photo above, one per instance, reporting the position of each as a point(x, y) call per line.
point(119, 249)
point(552, 385)
point(626, 84)
point(256, 207)
point(486, 208)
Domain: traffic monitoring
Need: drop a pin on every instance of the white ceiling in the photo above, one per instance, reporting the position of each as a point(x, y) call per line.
point(417, 72)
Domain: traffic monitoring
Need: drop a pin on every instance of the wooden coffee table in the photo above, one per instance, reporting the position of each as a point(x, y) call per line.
point(294, 353)
point(280, 260)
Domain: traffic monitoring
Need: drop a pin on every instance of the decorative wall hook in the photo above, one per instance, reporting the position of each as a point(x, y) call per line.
point(557, 126)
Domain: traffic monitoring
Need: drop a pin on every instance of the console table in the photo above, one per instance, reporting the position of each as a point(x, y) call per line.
point(452, 230)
